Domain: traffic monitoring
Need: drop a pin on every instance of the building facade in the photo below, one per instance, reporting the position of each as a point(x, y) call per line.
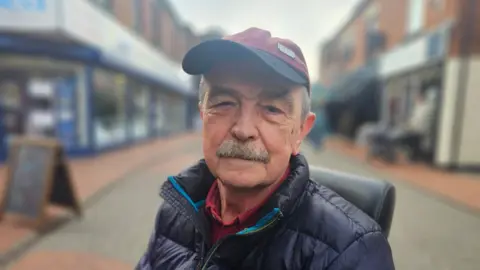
point(155, 21)
point(95, 74)
point(411, 42)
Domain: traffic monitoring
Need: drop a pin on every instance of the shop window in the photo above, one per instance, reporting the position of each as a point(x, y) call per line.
point(33, 99)
point(40, 109)
point(109, 110)
point(10, 106)
point(140, 108)
point(10, 95)
point(169, 112)
point(416, 14)
point(159, 111)
point(436, 45)
point(42, 103)
point(176, 113)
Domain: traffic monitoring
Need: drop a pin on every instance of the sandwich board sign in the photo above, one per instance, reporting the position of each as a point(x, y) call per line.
point(37, 175)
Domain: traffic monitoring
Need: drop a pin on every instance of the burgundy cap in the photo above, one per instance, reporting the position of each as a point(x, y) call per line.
point(283, 56)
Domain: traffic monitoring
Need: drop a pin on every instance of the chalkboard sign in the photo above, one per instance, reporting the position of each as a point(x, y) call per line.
point(35, 167)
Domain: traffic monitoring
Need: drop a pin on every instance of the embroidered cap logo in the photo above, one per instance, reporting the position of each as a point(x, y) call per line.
point(284, 49)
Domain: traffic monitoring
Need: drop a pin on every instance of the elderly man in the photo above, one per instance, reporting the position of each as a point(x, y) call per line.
point(250, 204)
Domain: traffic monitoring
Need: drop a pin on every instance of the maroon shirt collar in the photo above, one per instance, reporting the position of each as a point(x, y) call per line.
point(248, 218)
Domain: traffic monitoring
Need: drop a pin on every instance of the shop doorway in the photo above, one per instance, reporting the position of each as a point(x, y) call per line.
point(35, 107)
point(38, 96)
point(12, 112)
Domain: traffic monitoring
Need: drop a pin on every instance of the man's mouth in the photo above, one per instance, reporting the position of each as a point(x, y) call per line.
point(243, 159)
point(258, 160)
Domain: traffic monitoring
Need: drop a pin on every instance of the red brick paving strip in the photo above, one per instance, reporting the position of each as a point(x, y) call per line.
point(90, 175)
point(457, 187)
point(173, 167)
point(57, 260)
point(10, 236)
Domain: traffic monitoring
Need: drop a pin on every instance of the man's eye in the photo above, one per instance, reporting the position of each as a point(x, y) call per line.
point(224, 104)
point(272, 109)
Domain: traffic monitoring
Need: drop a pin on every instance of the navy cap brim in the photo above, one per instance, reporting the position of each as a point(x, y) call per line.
point(201, 58)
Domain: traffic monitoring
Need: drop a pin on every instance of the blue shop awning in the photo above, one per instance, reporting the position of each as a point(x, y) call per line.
point(351, 85)
point(37, 46)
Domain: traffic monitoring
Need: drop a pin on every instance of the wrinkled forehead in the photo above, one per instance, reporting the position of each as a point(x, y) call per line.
point(249, 78)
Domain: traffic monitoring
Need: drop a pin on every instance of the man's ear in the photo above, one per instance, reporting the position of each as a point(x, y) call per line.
point(304, 130)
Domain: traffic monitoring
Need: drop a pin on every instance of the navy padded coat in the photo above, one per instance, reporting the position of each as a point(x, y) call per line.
point(304, 226)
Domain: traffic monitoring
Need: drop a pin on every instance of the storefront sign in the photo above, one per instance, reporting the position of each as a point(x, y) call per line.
point(117, 44)
point(28, 15)
point(417, 53)
point(404, 58)
point(24, 5)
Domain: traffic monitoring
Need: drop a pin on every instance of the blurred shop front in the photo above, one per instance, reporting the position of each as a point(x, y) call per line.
point(406, 70)
point(90, 83)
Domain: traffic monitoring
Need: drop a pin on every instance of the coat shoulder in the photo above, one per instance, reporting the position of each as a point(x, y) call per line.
point(328, 218)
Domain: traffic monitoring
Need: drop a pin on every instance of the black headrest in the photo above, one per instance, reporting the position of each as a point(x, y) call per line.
point(374, 197)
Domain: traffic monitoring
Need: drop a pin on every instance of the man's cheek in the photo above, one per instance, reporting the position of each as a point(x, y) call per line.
point(284, 137)
point(216, 129)
point(212, 122)
point(292, 138)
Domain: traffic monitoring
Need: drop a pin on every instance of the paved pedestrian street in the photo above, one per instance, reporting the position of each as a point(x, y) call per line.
point(428, 233)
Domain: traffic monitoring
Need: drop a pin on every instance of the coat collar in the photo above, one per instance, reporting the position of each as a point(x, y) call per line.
point(197, 180)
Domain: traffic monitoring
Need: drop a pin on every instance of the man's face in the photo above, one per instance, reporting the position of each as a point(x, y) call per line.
point(252, 124)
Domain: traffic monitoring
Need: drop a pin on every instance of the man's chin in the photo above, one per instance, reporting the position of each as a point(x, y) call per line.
point(241, 183)
point(241, 173)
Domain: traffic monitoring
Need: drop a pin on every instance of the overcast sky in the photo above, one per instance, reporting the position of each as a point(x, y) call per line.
point(307, 23)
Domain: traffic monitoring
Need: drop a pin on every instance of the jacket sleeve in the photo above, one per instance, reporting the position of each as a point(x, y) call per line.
point(370, 251)
point(145, 262)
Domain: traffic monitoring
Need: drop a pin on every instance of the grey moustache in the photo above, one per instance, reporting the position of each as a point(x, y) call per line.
point(234, 149)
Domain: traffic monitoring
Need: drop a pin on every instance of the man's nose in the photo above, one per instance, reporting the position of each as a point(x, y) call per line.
point(245, 127)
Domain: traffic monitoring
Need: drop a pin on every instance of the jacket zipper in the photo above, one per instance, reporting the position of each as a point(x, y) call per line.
point(203, 263)
point(219, 242)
